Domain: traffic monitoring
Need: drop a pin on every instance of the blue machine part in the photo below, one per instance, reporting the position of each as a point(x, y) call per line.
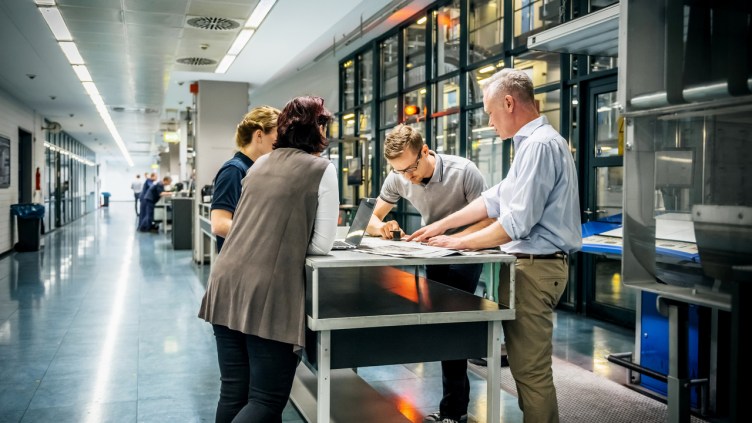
point(654, 346)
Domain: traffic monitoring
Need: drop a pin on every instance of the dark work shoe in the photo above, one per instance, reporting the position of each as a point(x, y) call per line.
point(437, 417)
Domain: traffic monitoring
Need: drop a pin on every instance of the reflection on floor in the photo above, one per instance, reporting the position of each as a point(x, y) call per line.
point(100, 325)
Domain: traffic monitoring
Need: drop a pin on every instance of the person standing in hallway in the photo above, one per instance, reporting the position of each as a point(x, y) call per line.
point(155, 192)
point(255, 136)
point(137, 185)
point(148, 182)
point(255, 297)
point(537, 214)
point(437, 185)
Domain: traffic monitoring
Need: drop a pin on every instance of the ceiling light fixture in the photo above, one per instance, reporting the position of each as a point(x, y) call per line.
point(259, 13)
point(71, 52)
point(251, 25)
point(82, 72)
point(56, 23)
point(422, 20)
point(225, 63)
point(59, 29)
point(240, 41)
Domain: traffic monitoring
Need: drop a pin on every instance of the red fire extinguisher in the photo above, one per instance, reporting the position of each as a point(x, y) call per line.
point(38, 185)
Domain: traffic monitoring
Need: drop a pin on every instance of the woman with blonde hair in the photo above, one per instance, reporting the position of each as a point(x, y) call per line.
point(255, 136)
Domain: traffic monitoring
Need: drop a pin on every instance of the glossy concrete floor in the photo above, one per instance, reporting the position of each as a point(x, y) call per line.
point(100, 326)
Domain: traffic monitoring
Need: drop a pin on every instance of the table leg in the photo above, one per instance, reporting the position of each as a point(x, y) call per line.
point(678, 397)
point(493, 381)
point(212, 251)
point(323, 374)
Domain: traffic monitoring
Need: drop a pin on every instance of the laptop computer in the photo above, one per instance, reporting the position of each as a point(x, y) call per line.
point(358, 226)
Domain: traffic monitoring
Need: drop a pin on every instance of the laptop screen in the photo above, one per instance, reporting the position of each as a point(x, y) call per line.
point(360, 222)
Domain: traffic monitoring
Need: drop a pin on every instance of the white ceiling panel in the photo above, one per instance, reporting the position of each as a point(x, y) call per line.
point(91, 14)
point(96, 27)
point(177, 7)
point(110, 4)
point(239, 9)
point(164, 20)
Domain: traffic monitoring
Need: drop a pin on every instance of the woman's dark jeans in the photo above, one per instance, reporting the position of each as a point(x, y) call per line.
point(256, 374)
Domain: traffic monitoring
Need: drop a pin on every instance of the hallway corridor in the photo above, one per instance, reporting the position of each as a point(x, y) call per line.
point(100, 326)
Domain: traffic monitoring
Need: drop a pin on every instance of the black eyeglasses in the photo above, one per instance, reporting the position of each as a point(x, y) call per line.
point(410, 169)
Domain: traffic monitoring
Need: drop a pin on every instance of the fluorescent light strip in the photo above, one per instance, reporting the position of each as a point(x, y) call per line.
point(82, 72)
point(71, 52)
point(259, 13)
point(225, 63)
point(254, 21)
point(56, 23)
point(91, 89)
point(68, 153)
point(240, 42)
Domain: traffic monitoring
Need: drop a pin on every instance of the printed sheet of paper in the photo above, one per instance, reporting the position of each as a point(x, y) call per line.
point(385, 247)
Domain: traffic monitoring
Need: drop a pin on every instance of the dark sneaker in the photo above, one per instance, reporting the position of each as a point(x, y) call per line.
point(437, 417)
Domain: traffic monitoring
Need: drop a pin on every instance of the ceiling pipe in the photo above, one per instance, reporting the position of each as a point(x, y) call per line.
point(365, 26)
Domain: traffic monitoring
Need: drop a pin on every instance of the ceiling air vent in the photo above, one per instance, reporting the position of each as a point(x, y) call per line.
point(213, 23)
point(196, 61)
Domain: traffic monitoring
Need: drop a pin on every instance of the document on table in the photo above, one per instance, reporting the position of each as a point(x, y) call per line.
point(385, 247)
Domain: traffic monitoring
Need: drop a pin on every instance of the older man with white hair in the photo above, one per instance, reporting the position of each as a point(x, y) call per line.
point(536, 208)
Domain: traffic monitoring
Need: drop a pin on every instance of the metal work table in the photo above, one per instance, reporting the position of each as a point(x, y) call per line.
point(205, 239)
point(362, 311)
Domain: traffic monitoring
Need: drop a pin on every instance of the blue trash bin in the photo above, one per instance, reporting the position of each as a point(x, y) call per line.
point(106, 199)
point(29, 222)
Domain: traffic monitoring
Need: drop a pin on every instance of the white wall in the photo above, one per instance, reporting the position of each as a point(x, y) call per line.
point(220, 106)
point(14, 115)
point(116, 179)
point(320, 79)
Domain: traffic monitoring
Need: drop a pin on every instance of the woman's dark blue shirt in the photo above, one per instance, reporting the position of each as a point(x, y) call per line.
point(228, 184)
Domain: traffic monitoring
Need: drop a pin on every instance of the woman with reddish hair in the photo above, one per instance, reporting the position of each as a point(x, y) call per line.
point(255, 298)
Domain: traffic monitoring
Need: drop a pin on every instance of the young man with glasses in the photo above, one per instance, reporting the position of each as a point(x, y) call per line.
point(437, 185)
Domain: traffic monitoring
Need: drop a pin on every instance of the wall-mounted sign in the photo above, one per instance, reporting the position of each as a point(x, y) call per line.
point(4, 163)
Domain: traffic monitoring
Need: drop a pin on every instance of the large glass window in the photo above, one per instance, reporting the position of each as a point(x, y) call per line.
point(475, 80)
point(549, 105)
point(601, 63)
point(414, 109)
point(348, 84)
point(446, 132)
point(530, 16)
point(365, 67)
point(607, 127)
point(364, 121)
point(389, 71)
point(486, 33)
point(485, 147)
point(415, 53)
point(446, 39)
point(446, 95)
point(389, 112)
point(348, 124)
point(543, 68)
point(601, 4)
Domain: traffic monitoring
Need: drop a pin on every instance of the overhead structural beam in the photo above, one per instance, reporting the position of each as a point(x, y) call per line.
point(595, 34)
